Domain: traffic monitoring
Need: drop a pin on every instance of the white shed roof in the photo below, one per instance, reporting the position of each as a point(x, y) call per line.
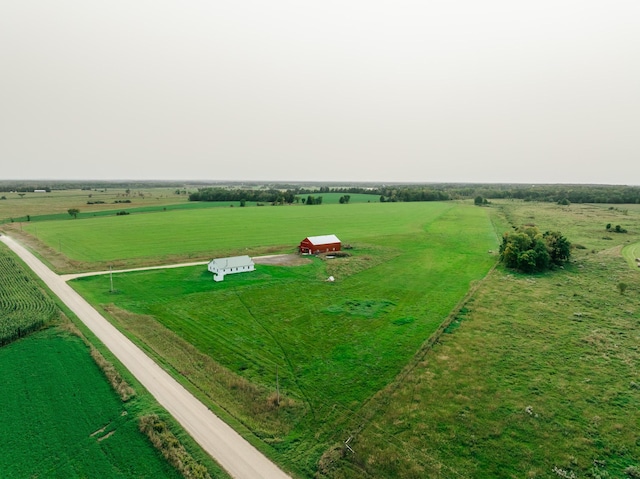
point(231, 262)
point(324, 239)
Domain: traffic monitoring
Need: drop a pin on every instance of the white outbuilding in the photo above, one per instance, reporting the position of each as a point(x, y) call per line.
point(235, 264)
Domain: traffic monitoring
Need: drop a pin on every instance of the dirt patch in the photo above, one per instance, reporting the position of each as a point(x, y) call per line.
point(281, 260)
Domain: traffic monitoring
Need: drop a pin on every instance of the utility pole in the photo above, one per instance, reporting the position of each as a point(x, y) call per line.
point(277, 387)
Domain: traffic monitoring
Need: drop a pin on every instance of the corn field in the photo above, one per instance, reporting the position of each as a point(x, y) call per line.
point(24, 307)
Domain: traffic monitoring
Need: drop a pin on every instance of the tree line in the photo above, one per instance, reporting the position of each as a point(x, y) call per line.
point(233, 194)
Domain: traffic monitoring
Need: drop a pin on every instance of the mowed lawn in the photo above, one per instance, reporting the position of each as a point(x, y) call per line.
point(222, 231)
point(61, 419)
point(334, 344)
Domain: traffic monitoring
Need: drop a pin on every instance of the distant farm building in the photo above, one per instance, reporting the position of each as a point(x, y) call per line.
point(235, 264)
point(319, 244)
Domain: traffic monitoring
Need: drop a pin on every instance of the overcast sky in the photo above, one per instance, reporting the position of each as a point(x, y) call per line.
point(418, 91)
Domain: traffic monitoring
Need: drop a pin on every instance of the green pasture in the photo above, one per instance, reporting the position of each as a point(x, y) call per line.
point(538, 377)
point(334, 344)
point(61, 419)
point(210, 232)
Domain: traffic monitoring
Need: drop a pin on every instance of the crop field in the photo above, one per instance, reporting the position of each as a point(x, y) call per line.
point(334, 344)
point(54, 205)
point(61, 419)
point(203, 233)
point(24, 308)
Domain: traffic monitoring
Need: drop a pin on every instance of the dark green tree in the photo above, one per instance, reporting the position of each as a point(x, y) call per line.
point(73, 212)
point(529, 251)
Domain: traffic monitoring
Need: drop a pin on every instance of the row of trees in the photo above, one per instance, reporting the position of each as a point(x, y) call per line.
point(529, 251)
point(232, 194)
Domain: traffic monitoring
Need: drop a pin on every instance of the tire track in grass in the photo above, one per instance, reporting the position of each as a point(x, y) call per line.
point(284, 353)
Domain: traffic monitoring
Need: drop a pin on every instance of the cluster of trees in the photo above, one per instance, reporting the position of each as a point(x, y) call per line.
point(229, 194)
point(529, 251)
point(312, 200)
point(413, 194)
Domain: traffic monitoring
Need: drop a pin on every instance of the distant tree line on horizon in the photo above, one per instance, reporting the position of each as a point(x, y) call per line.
point(286, 193)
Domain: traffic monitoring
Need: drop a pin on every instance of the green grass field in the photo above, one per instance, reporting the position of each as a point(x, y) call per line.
point(539, 377)
point(335, 344)
point(60, 418)
point(205, 233)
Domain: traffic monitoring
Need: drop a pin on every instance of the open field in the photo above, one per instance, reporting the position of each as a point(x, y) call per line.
point(173, 236)
point(47, 206)
point(334, 344)
point(539, 377)
point(60, 418)
point(55, 204)
point(535, 376)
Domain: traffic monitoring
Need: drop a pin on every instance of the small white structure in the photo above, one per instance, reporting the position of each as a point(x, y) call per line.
point(235, 264)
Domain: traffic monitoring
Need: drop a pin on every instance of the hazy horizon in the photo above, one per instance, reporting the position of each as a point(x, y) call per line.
point(377, 91)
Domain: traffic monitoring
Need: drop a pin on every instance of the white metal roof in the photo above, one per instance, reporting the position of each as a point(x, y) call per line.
point(231, 262)
point(324, 239)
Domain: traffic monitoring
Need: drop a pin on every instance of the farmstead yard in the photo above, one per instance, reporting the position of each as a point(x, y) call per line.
point(333, 344)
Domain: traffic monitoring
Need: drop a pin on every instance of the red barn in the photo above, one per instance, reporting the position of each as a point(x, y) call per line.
point(319, 244)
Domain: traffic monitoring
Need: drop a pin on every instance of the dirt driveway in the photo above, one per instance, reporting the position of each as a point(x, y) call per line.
point(281, 260)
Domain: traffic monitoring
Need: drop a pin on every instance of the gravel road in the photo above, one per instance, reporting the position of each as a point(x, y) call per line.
point(239, 458)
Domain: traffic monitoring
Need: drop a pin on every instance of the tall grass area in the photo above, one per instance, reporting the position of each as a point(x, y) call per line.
point(60, 418)
point(205, 233)
point(24, 308)
point(537, 377)
point(334, 344)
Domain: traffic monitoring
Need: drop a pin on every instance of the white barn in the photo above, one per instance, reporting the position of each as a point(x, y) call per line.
point(235, 264)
